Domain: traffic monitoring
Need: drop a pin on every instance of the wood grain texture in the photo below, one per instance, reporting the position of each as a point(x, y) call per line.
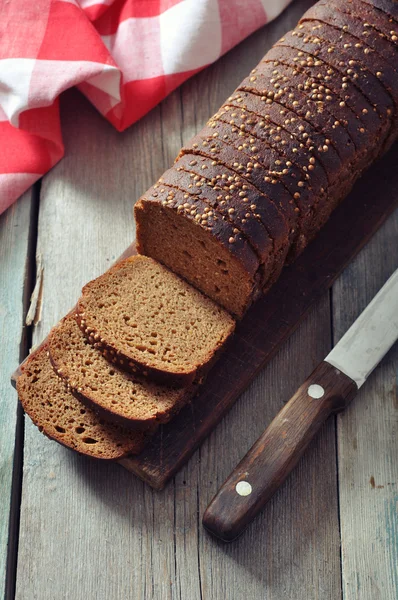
point(14, 241)
point(367, 439)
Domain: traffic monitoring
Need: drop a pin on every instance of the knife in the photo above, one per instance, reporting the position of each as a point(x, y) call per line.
point(329, 389)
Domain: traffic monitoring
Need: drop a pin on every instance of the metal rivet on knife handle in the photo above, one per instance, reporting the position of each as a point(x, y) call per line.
point(316, 391)
point(243, 488)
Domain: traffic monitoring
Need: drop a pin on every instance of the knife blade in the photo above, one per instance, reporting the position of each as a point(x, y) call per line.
point(370, 337)
point(329, 389)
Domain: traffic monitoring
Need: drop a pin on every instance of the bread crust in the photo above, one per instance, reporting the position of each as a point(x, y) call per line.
point(380, 21)
point(278, 138)
point(281, 116)
point(375, 55)
point(318, 190)
point(319, 116)
point(349, 18)
point(388, 7)
point(352, 118)
point(343, 62)
point(265, 210)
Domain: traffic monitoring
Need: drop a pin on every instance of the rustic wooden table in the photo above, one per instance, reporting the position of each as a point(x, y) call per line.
point(72, 528)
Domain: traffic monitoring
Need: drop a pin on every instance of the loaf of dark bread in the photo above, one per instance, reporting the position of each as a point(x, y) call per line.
point(279, 155)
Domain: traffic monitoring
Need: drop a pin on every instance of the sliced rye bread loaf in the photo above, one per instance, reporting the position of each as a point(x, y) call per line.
point(148, 320)
point(61, 417)
point(287, 95)
point(211, 254)
point(117, 396)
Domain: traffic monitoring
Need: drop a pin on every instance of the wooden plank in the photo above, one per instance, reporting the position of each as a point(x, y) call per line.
point(14, 242)
point(367, 439)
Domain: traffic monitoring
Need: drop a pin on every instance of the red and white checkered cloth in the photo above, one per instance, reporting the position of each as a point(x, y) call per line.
point(124, 55)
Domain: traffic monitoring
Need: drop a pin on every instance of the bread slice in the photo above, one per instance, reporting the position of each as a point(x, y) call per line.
point(149, 321)
point(114, 394)
point(61, 417)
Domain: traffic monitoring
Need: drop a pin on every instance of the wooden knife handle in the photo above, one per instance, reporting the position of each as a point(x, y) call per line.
point(277, 451)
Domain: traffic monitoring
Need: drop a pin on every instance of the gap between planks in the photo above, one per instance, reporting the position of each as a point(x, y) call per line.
point(24, 348)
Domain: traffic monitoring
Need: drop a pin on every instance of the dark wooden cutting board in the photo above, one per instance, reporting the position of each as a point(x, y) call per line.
point(271, 321)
